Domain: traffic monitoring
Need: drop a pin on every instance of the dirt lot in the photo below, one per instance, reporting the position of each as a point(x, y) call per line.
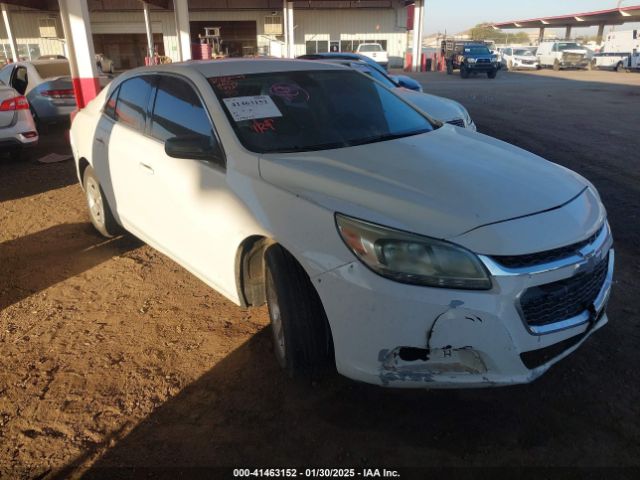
point(111, 355)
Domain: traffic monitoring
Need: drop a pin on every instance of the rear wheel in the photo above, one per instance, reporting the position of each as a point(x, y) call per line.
point(301, 334)
point(556, 64)
point(618, 67)
point(99, 211)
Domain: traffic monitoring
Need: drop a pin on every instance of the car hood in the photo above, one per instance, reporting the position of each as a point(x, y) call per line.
point(437, 107)
point(441, 184)
point(525, 57)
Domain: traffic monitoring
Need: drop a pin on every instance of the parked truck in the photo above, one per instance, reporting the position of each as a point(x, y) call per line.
point(563, 54)
point(620, 51)
point(470, 57)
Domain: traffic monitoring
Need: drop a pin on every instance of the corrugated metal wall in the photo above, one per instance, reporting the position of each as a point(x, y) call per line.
point(311, 24)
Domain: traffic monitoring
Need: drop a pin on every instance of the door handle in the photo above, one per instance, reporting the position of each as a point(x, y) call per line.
point(148, 168)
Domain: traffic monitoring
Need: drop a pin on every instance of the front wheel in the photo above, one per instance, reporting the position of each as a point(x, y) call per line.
point(464, 73)
point(301, 334)
point(449, 68)
point(556, 64)
point(618, 67)
point(492, 73)
point(99, 211)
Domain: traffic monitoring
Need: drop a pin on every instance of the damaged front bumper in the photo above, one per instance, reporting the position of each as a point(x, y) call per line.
point(406, 336)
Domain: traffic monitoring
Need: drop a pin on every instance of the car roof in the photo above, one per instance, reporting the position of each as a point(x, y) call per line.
point(240, 66)
point(343, 55)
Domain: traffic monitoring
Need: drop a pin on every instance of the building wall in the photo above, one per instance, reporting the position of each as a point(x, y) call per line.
point(332, 24)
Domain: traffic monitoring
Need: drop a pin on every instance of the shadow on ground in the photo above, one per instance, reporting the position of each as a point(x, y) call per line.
point(36, 261)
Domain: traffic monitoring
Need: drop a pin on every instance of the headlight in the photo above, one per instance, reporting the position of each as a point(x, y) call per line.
point(472, 60)
point(410, 258)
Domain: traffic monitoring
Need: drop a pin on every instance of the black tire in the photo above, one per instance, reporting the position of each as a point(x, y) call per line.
point(592, 64)
point(464, 73)
point(449, 68)
point(538, 67)
point(492, 73)
point(618, 67)
point(302, 339)
point(99, 211)
point(556, 64)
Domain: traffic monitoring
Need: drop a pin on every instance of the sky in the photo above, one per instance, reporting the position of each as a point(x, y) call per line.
point(458, 15)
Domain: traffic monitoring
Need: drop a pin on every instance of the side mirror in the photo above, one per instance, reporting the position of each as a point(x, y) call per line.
point(194, 147)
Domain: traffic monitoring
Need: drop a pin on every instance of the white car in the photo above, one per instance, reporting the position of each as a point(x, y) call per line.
point(515, 58)
point(17, 129)
point(375, 52)
point(399, 251)
point(439, 108)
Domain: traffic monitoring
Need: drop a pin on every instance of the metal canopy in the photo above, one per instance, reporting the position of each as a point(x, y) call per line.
point(614, 16)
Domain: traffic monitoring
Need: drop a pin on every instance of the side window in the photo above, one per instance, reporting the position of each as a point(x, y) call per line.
point(178, 112)
point(132, 101)
point(5, 74)
point(110, 106)
point(555, 47)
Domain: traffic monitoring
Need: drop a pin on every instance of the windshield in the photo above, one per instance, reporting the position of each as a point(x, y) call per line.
point(477, 50)
point(568, 46)
point(526, 53)
point(370, 47)
point(313, 110)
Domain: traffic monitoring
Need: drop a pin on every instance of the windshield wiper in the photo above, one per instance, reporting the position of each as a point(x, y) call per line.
point(384, 138)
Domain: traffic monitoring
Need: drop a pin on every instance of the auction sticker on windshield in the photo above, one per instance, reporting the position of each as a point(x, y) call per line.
point(251, 108)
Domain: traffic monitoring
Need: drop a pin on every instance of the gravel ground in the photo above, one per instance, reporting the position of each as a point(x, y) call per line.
point(114, 356)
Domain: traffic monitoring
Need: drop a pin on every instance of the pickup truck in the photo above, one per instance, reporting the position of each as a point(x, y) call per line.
point(375, 52)
point(470, 57)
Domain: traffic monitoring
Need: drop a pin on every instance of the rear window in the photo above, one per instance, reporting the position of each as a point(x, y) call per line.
point(54, 69)
point(313, 110)
point(370, 47)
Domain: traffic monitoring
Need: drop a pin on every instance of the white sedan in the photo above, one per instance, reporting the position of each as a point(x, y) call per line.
point(399, 251)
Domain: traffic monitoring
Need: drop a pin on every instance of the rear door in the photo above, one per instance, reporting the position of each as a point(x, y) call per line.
point(126, 165)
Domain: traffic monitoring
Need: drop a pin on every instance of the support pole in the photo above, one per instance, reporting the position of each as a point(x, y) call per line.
point(285, 25)
point(541, 35)
point(7, 26)
point(567, 33)
point(291, 44)
point(76, 24)
point(416, 44)
point(147, 24)
point(181, 8)
point(600, 33)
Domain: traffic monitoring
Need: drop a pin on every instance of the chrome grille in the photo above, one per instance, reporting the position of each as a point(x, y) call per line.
point(564, 299)
point(532, 259)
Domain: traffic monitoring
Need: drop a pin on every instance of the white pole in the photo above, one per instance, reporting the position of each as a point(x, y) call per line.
point(82, 59)
point(147, 24)
point(416, 48)
point(285, 25)
point(290, 27)
point(7, 27)
point(181, 8)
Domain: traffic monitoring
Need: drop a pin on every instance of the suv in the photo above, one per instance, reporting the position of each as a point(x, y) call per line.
point(375, 52)
point(469, 57)
point(563, 54)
